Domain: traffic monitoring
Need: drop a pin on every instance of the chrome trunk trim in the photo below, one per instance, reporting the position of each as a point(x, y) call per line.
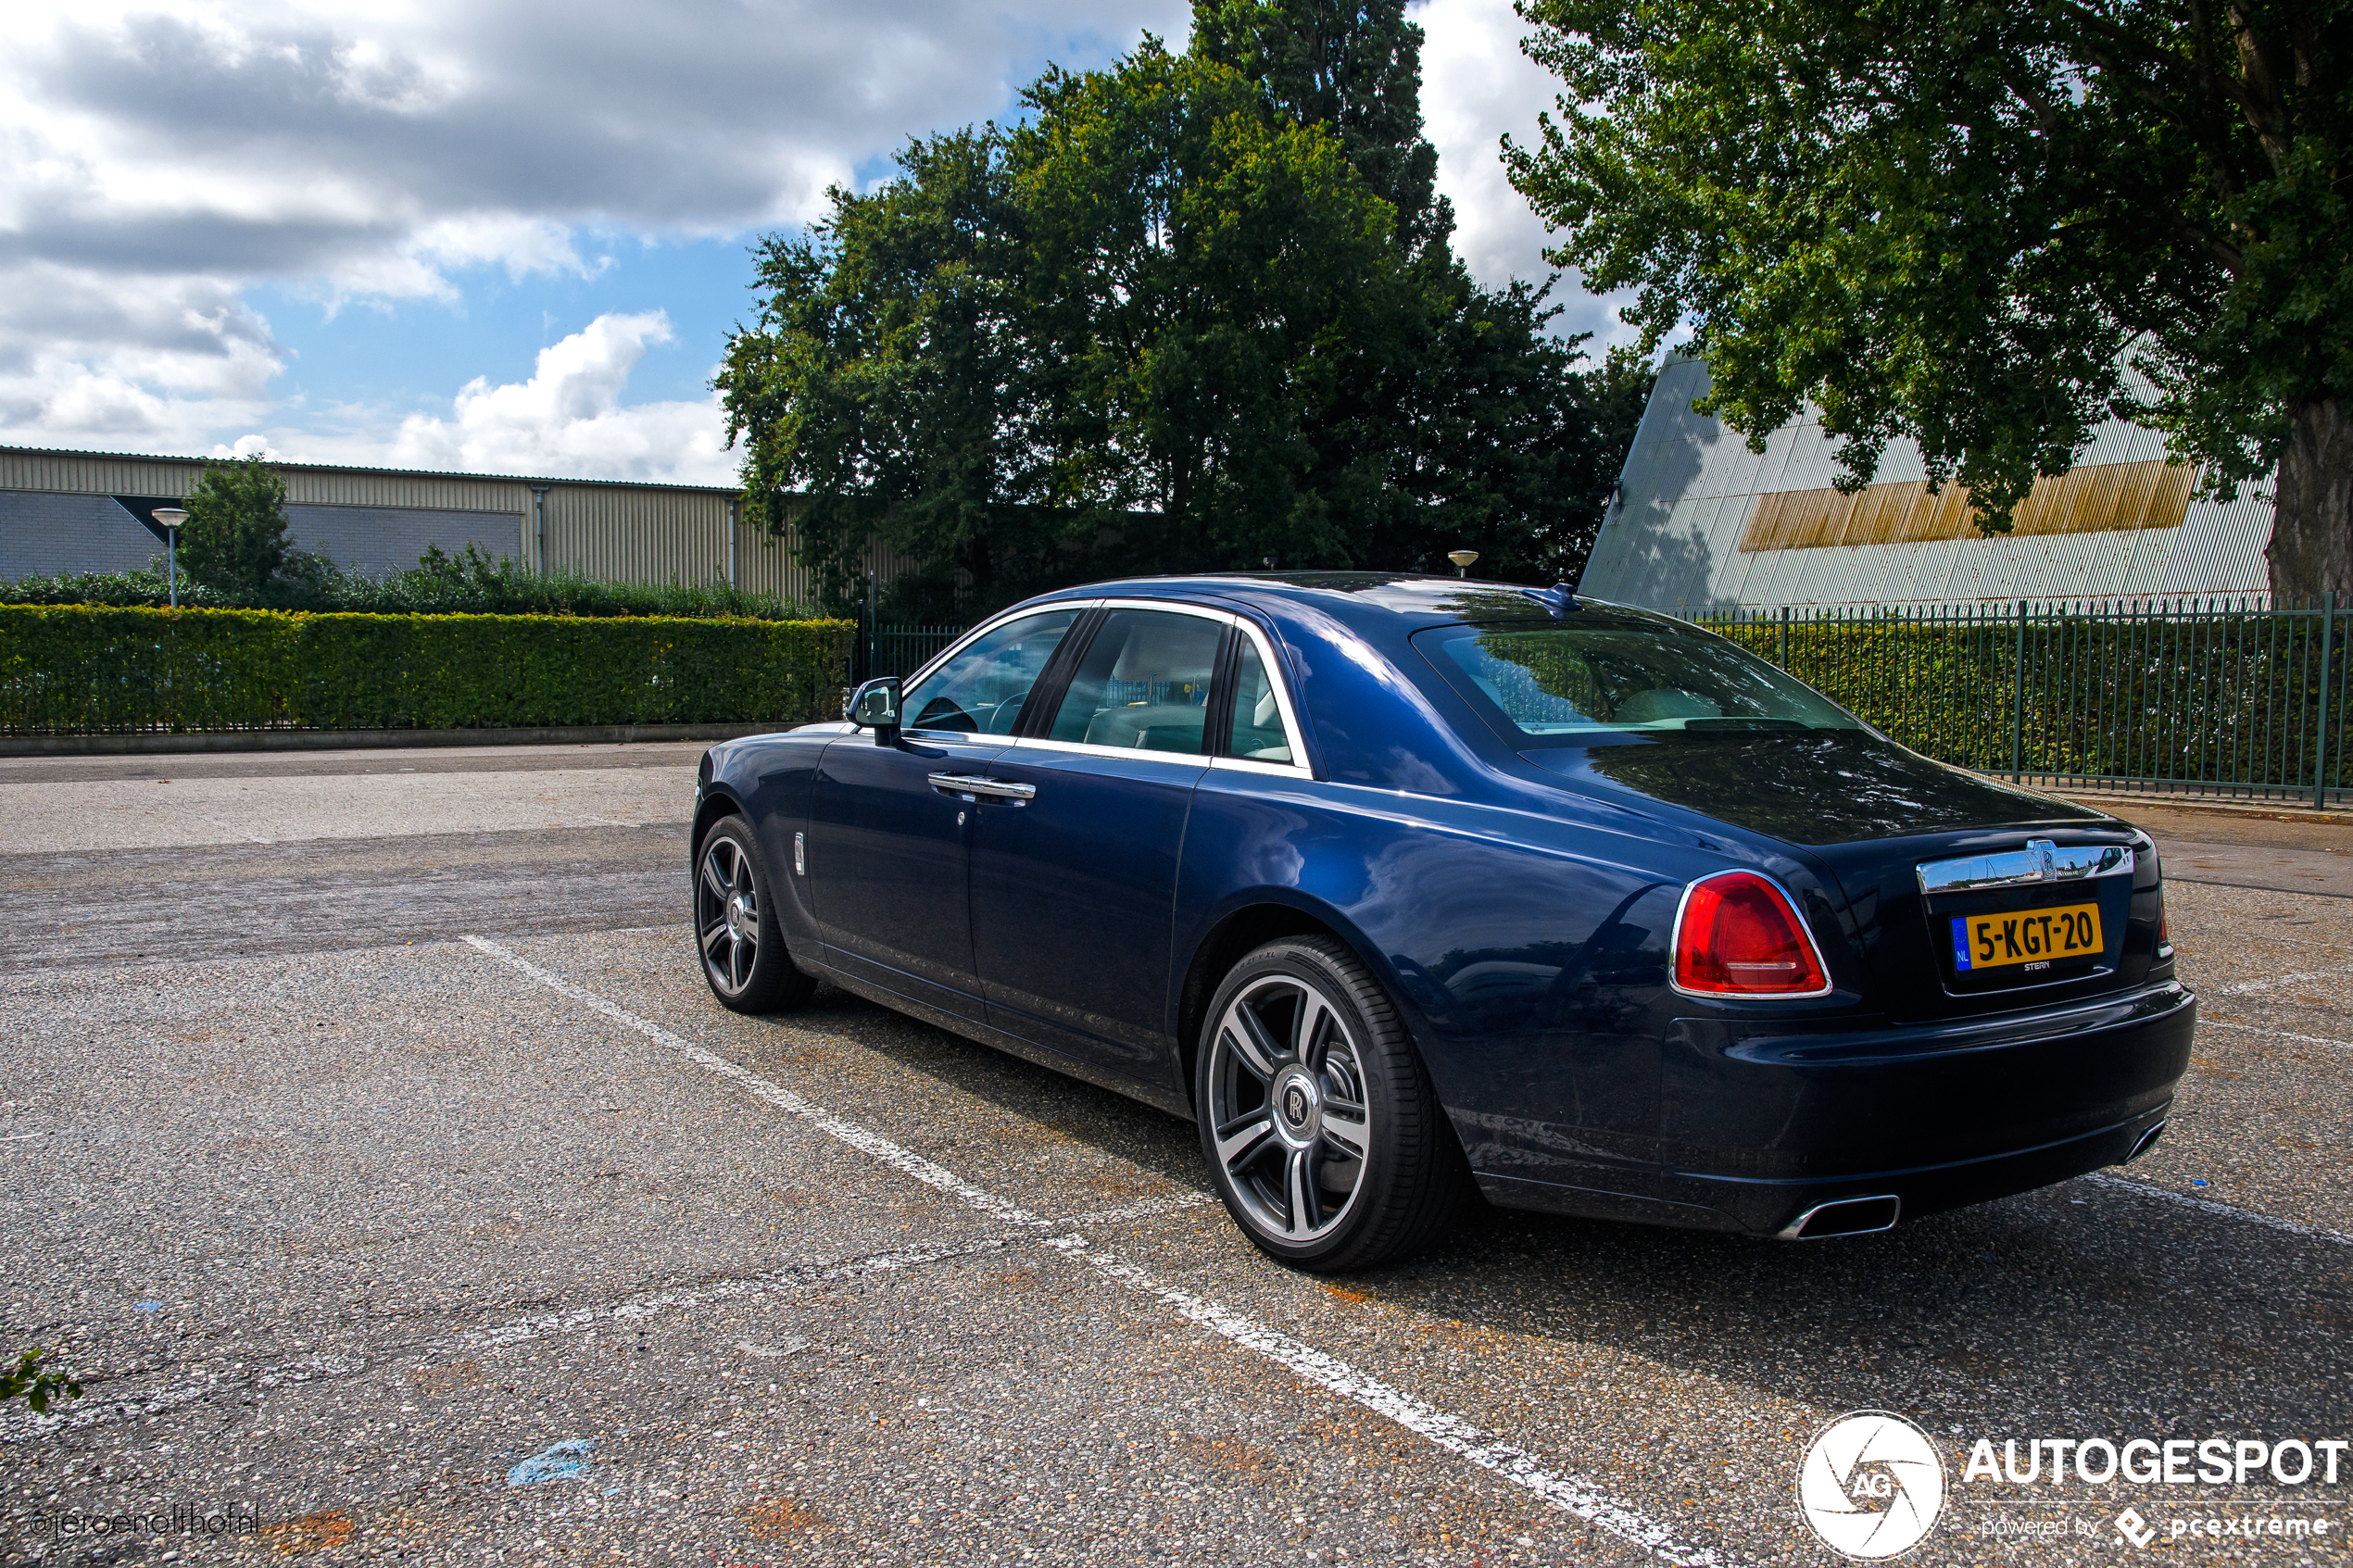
point(2040, 862)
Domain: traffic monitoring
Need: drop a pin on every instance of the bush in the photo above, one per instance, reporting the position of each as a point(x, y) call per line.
point(74, 669)
point(439, 583)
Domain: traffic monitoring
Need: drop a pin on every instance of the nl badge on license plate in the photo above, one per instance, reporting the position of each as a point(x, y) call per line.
point(2029, 937)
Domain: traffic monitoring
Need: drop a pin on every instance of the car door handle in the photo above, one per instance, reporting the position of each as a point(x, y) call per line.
point(972, 786)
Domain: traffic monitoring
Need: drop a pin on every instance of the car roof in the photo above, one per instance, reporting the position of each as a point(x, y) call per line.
point(1375, 602)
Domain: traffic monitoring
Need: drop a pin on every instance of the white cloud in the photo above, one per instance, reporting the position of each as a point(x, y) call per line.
point(1478, 86)
point(151, 362)
point(569, 419)
point(160, 157)
point(157, 157)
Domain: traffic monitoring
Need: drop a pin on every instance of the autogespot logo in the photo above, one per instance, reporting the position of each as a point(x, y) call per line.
point(1871, 1485)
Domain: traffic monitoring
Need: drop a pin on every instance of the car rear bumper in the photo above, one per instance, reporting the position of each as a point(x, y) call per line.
point(1763, 1125)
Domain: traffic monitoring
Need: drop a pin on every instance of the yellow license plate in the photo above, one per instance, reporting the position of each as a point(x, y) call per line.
point(2032, 937)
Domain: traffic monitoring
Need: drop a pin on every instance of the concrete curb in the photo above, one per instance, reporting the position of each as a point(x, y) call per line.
point(357, 740)
point(2122, 803)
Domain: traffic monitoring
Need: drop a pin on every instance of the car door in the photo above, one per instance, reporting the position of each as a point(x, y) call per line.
point(887, 858)
point(1074, 886)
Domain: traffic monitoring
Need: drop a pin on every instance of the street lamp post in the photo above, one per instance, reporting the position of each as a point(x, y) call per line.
point(1462, 559)
point(171, 518)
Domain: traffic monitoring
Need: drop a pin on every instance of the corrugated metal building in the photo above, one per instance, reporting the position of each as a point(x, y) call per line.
point(92, 511)
point(1703, 524)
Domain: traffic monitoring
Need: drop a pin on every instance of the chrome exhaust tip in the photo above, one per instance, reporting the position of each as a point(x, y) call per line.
point(1846, 1216)
point(2146, 1142)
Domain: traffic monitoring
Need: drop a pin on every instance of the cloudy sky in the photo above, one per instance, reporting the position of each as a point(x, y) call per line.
point(508, 235)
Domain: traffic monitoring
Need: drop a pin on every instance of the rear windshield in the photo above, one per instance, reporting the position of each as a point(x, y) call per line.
point(1549, 685)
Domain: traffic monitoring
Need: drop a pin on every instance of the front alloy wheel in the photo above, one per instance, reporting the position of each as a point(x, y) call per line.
point(735, 930)
point(1323, 1133)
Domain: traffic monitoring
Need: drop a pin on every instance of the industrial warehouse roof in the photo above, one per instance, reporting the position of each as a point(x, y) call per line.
point(1702, 524)
point(527, 479)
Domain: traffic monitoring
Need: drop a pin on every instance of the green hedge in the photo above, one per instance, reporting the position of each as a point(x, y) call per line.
point(83, 669)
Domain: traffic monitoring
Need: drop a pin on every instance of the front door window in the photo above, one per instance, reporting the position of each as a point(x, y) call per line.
point(982, 690)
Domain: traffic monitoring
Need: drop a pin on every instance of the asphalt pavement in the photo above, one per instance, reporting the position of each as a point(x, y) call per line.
point(376, 1155)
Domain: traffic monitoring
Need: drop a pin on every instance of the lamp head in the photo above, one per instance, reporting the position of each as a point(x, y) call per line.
point(1462, 559)
point(171, 517)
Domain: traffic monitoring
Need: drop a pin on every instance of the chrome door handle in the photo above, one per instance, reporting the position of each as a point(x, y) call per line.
point(972, 786)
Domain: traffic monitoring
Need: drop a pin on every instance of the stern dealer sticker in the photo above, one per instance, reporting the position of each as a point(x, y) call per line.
point(1871, 1483)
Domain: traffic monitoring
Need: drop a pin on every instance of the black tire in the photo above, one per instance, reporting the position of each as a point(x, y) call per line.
point(737, 937)
point(1293, 1109)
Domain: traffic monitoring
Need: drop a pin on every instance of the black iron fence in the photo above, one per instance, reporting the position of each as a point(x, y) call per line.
point(2206, 697)
point(2200, 697)
point(902, 650)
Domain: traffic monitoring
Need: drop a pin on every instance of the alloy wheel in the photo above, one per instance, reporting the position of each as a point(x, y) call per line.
point(728, 914)
point(1288, 1107)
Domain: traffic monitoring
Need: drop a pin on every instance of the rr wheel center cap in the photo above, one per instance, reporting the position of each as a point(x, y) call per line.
point(1297, 1102)
point(741, 922)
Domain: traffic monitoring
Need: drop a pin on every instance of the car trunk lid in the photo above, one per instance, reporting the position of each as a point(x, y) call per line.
point(1874, 814)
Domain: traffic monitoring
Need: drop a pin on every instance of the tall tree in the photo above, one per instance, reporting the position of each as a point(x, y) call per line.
point(1354, 68)
point(882, 385)
point(1185, 315)
point(1985, 224)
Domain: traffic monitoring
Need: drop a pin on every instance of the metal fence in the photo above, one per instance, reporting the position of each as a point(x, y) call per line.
point(2208, 696)
point(886, 649)
point(2203, 697)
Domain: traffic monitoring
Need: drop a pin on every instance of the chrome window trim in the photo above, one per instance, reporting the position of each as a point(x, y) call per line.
point(1804, 929)
point(1259, 765)
point(1080, 748)
point(2041, 862)
point(1296, 769)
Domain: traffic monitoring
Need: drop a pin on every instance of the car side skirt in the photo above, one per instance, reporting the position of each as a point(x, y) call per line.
point(828, 963)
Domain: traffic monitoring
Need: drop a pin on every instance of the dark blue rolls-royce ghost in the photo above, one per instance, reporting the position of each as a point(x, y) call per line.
point(1403, 888)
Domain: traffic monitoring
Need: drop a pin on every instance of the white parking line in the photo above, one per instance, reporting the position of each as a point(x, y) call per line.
point(654, 1303)
point(2208, 1206)
point(1567, 1492)
point(1142, 1208)
point(2276, 981)
point(2274, 1033)
point(18, 1426)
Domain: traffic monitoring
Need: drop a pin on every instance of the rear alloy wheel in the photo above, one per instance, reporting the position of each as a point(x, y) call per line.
point(1323, 1133)
point(736, 929)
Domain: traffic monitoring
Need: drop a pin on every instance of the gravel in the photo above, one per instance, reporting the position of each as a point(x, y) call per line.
point(374, 1247)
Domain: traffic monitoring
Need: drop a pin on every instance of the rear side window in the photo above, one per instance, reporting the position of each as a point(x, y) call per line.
point(1143, 685)
point(1549, 685)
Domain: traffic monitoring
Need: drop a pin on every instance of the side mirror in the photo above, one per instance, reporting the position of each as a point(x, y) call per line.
point(875, 706)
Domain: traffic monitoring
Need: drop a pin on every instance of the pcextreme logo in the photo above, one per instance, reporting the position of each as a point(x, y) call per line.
point(1871, 1485)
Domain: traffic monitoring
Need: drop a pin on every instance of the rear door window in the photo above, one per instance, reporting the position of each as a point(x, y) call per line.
point(1143, 684)
point(1259, 733)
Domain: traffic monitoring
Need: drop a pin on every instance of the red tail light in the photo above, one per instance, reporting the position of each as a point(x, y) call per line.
point(1737, 936)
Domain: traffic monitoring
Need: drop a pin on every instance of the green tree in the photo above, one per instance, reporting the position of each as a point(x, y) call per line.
point(1984, 224)
point(1353, 68)
point(1194, 311)
point(234, 541)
